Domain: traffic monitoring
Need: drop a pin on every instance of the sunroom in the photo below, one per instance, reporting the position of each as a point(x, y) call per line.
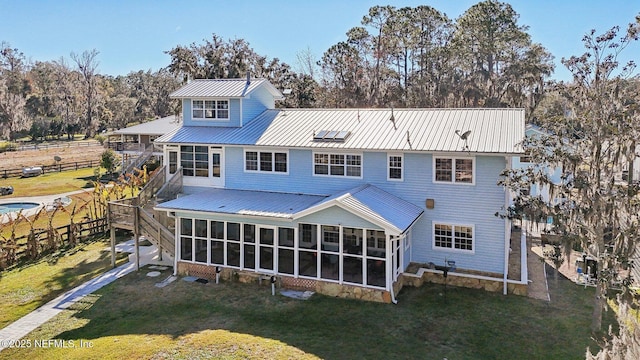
point(352, 238)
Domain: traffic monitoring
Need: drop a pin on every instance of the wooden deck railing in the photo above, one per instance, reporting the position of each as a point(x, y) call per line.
point(155, 183)
point(154, 230)
point(171, 189)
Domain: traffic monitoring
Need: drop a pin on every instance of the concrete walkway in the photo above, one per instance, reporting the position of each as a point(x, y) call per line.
point(28, 323)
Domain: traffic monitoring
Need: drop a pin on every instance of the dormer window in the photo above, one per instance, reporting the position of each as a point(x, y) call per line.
point(210, 109)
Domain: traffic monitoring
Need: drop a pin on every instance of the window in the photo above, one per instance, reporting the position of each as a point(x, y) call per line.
point(251, 161)
point(457, 237)
point(173, 162)
point(330, 238)
point(337, 165)
point(265, 161)
point(210, 109)
point(194, 160)
point(285, 250)
point(395, 167)
point(453, 170)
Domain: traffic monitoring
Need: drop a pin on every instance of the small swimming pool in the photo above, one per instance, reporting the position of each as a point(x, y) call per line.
point(17, 206)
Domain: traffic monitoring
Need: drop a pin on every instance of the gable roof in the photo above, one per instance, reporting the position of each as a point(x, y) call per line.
point(498, 131)
point(366, 201)
point(154, 127)
point(373, 204)
point(223, 88)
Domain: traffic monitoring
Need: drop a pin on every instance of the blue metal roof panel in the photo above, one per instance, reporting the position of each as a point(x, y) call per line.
point(374, 204)
point(243, 202)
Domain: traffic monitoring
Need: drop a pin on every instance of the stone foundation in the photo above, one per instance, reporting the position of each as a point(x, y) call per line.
point(321, 287)
point(487, 282)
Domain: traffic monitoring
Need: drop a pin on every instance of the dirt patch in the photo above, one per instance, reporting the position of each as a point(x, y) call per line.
point(45, 157)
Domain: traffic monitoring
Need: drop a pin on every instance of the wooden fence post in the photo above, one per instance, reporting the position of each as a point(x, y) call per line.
point(112, 237)
point(136, 235)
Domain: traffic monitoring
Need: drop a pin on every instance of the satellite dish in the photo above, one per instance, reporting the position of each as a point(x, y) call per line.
point(464, 135)
point(57, 158)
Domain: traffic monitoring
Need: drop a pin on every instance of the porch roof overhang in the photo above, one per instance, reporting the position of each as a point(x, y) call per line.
point(371, 203)
point(367, 201)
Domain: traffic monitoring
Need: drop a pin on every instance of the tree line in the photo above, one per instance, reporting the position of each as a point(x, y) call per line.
point(411, 57)
point(398, 57)
point(69, 96)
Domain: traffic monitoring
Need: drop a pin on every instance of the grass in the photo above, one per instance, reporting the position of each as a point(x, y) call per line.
point(26, 288)
point(50, 183)
point(131, 318)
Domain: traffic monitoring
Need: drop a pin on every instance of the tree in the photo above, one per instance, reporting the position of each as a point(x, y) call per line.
point(87, 64)
point(499, 64)
point(593, 140)
point(14, 88)
point(108, 161)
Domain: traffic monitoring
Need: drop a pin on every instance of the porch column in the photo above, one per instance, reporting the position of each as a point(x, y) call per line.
point(388, 262)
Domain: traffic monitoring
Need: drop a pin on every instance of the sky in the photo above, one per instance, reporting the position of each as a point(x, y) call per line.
point(135, 34)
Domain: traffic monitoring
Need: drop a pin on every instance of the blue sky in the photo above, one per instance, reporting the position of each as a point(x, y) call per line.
point(133, 35)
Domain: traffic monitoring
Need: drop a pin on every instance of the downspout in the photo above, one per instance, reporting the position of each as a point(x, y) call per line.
point(175, 245)
point(389, 268)
point(507, 233)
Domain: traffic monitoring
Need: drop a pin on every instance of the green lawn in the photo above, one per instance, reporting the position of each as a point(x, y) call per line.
point(25, 288)
point(50, 183)
point(131, 318)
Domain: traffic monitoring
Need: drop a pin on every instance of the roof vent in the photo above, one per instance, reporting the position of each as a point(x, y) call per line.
point(248, 77)
point(331, 136)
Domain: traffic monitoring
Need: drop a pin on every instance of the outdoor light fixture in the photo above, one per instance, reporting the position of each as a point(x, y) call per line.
point(273, 285)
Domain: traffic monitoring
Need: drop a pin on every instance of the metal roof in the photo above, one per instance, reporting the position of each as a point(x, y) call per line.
point(373, 204)
point(499, 131)
point(222, 88)
point(366, 201)
point(154, 127)
point(243, 202)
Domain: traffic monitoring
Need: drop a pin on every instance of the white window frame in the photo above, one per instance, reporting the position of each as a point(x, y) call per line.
point(194, 161)
point(344, 165)
point(389, 167)
point(454, 159)
point(215, 109)
point(273, 161)
point(453, 237)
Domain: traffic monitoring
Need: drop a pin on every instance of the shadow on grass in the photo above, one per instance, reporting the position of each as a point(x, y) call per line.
point(89, 181)
point(424, 324)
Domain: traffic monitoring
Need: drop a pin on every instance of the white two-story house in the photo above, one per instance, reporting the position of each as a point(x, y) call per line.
point(336, 198)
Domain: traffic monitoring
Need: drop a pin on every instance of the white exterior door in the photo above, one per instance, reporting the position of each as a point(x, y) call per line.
point(216, 166)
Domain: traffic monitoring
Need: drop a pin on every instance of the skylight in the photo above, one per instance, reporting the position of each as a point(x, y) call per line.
point(331, 136)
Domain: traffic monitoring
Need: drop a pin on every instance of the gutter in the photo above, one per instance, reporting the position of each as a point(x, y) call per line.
point(507, 235)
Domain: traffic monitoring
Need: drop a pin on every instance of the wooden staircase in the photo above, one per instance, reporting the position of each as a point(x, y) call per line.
point(137, 215)
point(138, 162)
